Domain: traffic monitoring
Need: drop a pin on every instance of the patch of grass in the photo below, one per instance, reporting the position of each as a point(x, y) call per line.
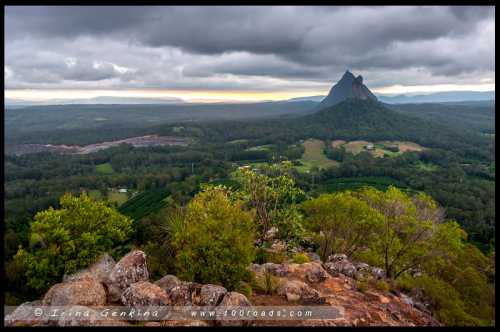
point(118, 198)
point(427, 167)
point(104, 168)
point(238, 141)
point(95, 195)
point(382, 286)
point(314, 156)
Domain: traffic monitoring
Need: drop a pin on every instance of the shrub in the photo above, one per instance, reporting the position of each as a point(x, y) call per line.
point(382, 286)
point(215, 243)
point(245, 289)
point(362, 286)
point(265, 283)
point(300, 258)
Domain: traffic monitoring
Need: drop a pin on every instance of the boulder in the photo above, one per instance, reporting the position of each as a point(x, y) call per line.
point(296, 290)
point(279, 270)
point(168, 282)
point(337, 258)
point(144, 293)
point(337, 267)
point(211, 295)
point(24, 315)
point(130, 269)
point(184, 293)
point(86, 292)
point(232, 300)
point(314, 257)
point(100, 270)
point(315, 272)
point(77, 315)
point(378, 273)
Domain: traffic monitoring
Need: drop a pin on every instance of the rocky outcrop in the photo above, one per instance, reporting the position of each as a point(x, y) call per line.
point(100, 270)
point(312, 283)
point(86, 291)
point(144, 293)
point(130, 269)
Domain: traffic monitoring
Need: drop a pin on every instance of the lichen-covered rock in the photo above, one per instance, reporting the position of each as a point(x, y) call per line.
point(232, 300)
point(185, 293)
point(100, 270)
point(315, 272)
point(378, 273)
point(336, 267)
point(130, 269)
point(211, 295)
point(85, 292)
point(144, 293)
point(279, 270)
point(23, 315)
point(296, 290)
point(313, 256)
point(337, 258)
point(168, 282)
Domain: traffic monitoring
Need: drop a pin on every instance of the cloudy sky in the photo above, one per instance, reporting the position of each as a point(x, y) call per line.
point(244, 53)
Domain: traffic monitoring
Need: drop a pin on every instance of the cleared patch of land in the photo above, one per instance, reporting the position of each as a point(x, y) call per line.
point(428, 167)
point(337, 143)
point(379, 149)
point(314, 156)
point(117, 197)
point(104, 168)
point(266, 147)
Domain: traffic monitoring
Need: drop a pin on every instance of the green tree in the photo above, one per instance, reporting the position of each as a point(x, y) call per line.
point(215, 243)
point(413, 231)
point(270, 194)
point(69, 238)
point(341, 222)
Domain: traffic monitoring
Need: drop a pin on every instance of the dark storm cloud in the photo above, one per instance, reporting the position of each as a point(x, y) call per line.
point(301, 43)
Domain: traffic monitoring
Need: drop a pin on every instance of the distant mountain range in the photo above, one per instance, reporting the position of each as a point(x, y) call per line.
point(106, 100)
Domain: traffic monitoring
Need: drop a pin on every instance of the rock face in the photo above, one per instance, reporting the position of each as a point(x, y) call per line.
point(144, 293)
point(339, 264)
point(348, 87)
point(100, 270)
point(233, 299)
point(130, 269)
point(86, 291)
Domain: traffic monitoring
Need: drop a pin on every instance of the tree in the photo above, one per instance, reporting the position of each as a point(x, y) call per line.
point(215, 242)
point(69, 238)
point(270, 193)
point(413, 231)
point(342, 222)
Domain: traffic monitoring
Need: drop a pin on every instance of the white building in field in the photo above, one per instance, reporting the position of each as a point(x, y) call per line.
point(369, 146)
point(122, 190)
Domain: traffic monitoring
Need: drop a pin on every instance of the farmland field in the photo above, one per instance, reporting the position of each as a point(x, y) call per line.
point(117, 197)
point(314, 156)
point(104, 168)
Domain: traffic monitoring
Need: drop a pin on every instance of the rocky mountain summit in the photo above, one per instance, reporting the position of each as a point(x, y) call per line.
point(349, 87)
point(336, 282)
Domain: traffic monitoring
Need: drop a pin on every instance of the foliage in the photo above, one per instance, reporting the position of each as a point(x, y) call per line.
point(215, 242)
point(412, 231)
point(342, 222)
point(269, 194)
point(265, 283)
point(300, 258)
point(70, 238)
point(245, 289)
point(382, 286)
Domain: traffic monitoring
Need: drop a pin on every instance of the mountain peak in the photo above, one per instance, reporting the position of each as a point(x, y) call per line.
point(349, 86)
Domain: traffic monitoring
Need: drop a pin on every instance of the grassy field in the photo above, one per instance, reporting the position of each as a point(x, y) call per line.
point(238, 141)
point(314, 156)
point(144, 203)
point(267, 147)
point(95, 195)
point(380, 148)
point(117, 197)
point(104, 168)
point(355, 183)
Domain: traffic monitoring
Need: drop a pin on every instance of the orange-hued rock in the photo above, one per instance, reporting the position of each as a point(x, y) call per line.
point(86, 292)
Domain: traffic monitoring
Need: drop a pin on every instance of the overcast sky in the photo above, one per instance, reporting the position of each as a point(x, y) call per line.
point(244, 52)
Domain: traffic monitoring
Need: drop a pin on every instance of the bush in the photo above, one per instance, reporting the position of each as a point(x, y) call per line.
point(382, 286)
point(265, 283)
point(245, 289)
point(215, 243)
point(70, 238)
point(261, 256)
point(362, 286)
point(300, 258)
